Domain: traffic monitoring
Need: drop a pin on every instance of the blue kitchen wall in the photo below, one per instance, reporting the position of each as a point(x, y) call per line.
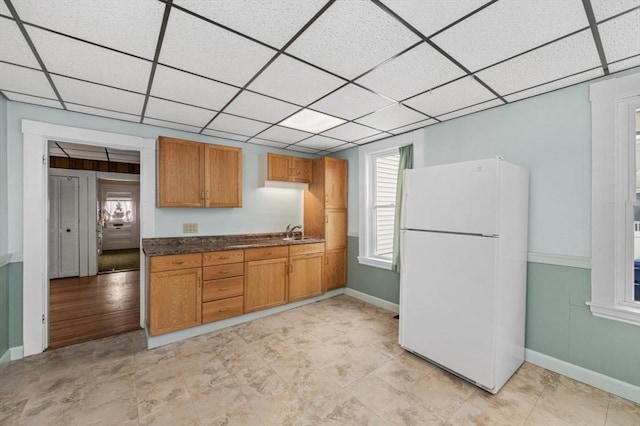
point(4, 269)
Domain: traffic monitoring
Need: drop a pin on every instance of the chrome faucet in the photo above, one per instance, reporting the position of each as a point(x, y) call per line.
point(289, 231)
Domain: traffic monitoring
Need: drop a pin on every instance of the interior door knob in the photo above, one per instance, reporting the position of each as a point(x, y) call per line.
point(68, 230)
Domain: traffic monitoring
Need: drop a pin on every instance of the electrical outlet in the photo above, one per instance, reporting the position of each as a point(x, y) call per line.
point(189, 228)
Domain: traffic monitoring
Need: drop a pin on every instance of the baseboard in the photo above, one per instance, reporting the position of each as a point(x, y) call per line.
point(5, 358)
point(17, 352)
point(581, 374)
point(393, 307)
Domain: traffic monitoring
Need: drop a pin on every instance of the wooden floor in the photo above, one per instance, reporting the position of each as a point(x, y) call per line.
point(87, 308)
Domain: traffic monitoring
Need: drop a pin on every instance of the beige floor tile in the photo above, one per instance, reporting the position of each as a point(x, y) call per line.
point(374, 392)
point(472, 415)
point(442, 393)
point(409, 411)
point(622, 412)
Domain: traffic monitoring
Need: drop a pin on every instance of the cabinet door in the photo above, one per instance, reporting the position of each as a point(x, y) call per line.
point(265, 284)
point(278, 167)
point(335, 269)
point(223, 176)
point(335, 229)
point(300, 170)
point(180, 173)
point(175, 300)
point(305, 276)
point(335, 183)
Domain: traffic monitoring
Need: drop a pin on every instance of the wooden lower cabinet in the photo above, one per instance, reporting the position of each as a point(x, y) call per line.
point(265, 283)
point(335, 269)
point(306, 271)
point(175, 300)
point(221, 309)
point(223, 288)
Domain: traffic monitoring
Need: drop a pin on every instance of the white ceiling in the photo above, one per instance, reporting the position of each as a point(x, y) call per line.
point(237, 68)
point(88, 152)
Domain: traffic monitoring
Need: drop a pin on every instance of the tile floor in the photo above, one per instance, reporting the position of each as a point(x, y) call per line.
point(331, 362)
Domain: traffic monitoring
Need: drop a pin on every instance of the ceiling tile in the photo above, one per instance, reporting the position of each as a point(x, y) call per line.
point(259, 107)
point(225, 135)
point(578, 78)
point(625, 64)
point(351, 102)
point(578, 53)
point(350, 132)
point(305, 149)
point(472, 109)
point(124, 158)
point(265, 142)
point(417, 70)
point(351, 37)
point(509, 27)
point(119, 22)
point(391, 117)
point(621, 36)
point(13, 46)
point(74, 147)
point(283, 134)
point(171, 125)
point(274, 22)
point(294, 81)
point(194, 45)
point(413, 126)
point(87, 155)
point(342, 147)
point(372, 138)
point(32, 100)
point(238, 125)
point(603, 9)
point(69, 57)
point(102, 112)
point(123, 153)
point(179, 113)
point(459, 94)
point(4, 10)
point(431, 16)
point(88, 94)
point(320, 142)
point(25, 81)
point(187, 88)
point(54, 151)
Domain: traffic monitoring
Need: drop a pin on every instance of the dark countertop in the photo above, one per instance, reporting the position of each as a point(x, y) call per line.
point(183, 245)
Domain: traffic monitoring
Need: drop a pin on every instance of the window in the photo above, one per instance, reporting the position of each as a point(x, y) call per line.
point(615, 199)
point(385, 176)
point(633, 295)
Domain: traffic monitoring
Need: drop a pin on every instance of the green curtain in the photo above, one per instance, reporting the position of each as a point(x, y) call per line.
point(406, 162)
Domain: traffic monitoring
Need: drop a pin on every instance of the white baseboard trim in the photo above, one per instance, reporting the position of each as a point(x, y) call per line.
point(17, 352)
point(560, 260)
point(581, 374)
point(5, 358)
point(393, 307)
point(5, 259)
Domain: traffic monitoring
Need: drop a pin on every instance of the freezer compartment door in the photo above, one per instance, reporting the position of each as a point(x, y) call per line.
point(460, 197)
point(447, 289)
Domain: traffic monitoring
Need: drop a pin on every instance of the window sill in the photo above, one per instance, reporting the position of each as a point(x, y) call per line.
point(376, 263)
point(628, 314)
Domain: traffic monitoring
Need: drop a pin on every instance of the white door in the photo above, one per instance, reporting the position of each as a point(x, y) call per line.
point(447, 301)
point(54, 227)
point(64, 250)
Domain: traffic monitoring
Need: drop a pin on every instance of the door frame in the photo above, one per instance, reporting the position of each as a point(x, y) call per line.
point(35, 187)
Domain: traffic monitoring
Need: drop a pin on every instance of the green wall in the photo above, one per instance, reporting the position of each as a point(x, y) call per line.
point(15, 304)
point(377, 282)
point(4, 309)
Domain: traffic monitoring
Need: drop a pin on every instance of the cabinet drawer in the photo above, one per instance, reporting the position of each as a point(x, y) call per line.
point(220, 309)
point(221, 289)
point(295, 250)
point(264, 253)
point(175, 261)
point(222, 257)
point(222, 271)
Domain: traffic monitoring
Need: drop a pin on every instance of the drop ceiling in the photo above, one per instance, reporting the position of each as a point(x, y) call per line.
point(237, 69)
point(88, 152)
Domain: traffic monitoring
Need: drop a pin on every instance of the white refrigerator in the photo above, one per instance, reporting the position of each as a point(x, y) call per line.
point(463, 268)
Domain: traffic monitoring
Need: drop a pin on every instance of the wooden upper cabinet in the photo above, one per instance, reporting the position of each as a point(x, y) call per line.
point(193, 174)
point(286, 168)
point(335, 186)
point(180, 173)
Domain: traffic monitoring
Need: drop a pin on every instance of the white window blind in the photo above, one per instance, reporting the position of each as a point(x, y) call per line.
point(384, 202)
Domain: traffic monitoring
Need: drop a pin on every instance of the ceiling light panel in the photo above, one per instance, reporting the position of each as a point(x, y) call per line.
point(283, 134)
point(472, 109)
point(413, 126)
point(391, 117)
point(238, 125)
point(195, 45)
point(259, 107)
point(311, 121)
point(320, 142)
point(225, 135)
point(81, 92)
point(294, 81)
point(560, 59)
point(187, 88)
point(351, 37)
point(625, 64)
point(179, 113)
point(351, 102)
point(171, 125)
point(128, 26)
point(507, 28)
point(265, 142)
point(102, 112)
point(603, 9)
point(413, 72)
point(431, 16)
point(13, 46)
point(350, 132)
point(621, 36)
point(459, 94)
point(69, 57)
point(578, 78)
point(32, 100)
point(274, 22)
point(25, 81)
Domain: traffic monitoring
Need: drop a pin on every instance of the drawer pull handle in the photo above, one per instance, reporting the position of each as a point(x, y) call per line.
point(226, 271)
point(268, 253)
point(222, 257)
point(223, 289)
point(177, 262)
point(224, 310)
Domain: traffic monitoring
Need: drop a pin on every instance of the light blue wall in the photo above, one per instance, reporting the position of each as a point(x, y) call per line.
point(4, 309)
point(14, 276)
point(3, 176)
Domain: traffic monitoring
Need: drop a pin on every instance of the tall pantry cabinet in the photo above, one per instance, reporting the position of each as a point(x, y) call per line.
point(325, 216)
